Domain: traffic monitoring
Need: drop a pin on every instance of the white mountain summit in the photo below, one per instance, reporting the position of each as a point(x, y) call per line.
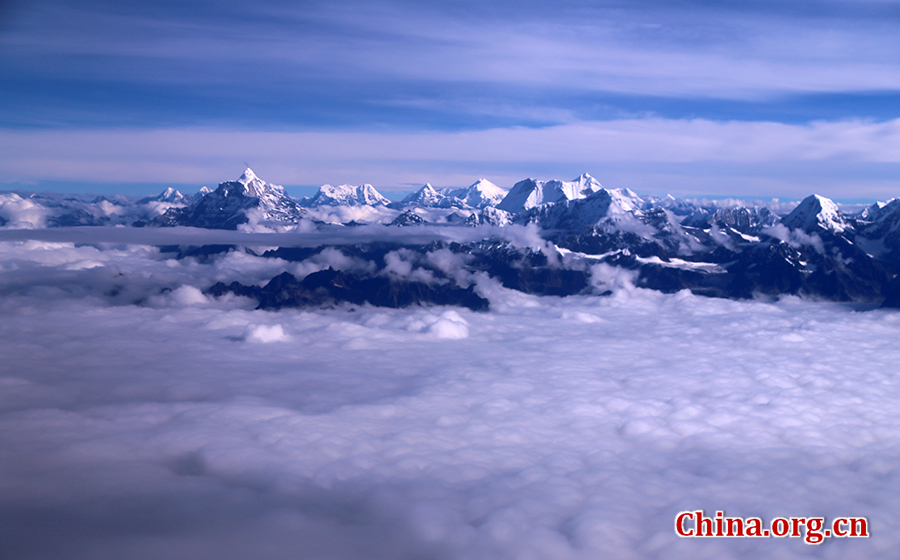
point(228, 205)
point(480, 194)
point(816, 212)
point(531, 192)
point(347, 195)
point(427, 196)
point(170, 196)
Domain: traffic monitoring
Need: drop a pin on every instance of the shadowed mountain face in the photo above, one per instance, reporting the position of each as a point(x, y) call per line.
point(329, 287)
point(374, 279)
point(844, 273)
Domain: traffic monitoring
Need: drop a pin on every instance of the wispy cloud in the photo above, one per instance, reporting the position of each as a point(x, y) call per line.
point(350, 59)
point(848, 159)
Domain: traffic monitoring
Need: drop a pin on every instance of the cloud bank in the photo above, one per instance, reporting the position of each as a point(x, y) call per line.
point(548, 428)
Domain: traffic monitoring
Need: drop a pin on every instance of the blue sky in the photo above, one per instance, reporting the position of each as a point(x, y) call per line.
point(696, 98)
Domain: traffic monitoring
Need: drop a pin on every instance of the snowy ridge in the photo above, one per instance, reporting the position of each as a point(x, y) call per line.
point(743, 219)
point(427, 196)
point(531, 192)
point(347, 195)
point(580, 213)
point(480, 194)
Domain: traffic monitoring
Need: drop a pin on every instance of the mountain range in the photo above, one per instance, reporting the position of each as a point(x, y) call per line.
point(669, 244)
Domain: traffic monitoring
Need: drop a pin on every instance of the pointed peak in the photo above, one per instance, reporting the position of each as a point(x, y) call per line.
point(817, 203)
point(485, 185)
point(426, 195)
point(168, 195)
point(822, 201)
point(247, 176)
point(816, 211)
point(587, 185)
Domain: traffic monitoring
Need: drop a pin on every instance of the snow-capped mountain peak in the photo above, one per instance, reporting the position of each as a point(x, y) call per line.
point(348, 195)
point(256, 187)
point(169, 195)
point(816, 212)
point(480, 194)
point(529, 193)
point(228, 205)
point(248, 176)
point(624, 200)
point(876, 210)
point(425, 196)
point(587, 184)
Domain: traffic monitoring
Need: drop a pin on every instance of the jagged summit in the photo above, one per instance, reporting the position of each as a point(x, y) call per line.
point(879, 209)
point(816, 212)
point(600, 206)
point(748, 220)
point(480, 194)
point(232, 203)
point(254, 186)
point(249, 185)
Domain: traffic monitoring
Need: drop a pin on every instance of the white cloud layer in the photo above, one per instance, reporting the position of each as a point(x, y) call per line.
point(557, 428)
point(848, 159)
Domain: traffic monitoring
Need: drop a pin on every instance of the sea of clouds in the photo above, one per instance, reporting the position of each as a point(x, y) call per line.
point(141, 419)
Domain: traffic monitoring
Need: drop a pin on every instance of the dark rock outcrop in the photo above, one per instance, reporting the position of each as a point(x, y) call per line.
point(328, 287)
